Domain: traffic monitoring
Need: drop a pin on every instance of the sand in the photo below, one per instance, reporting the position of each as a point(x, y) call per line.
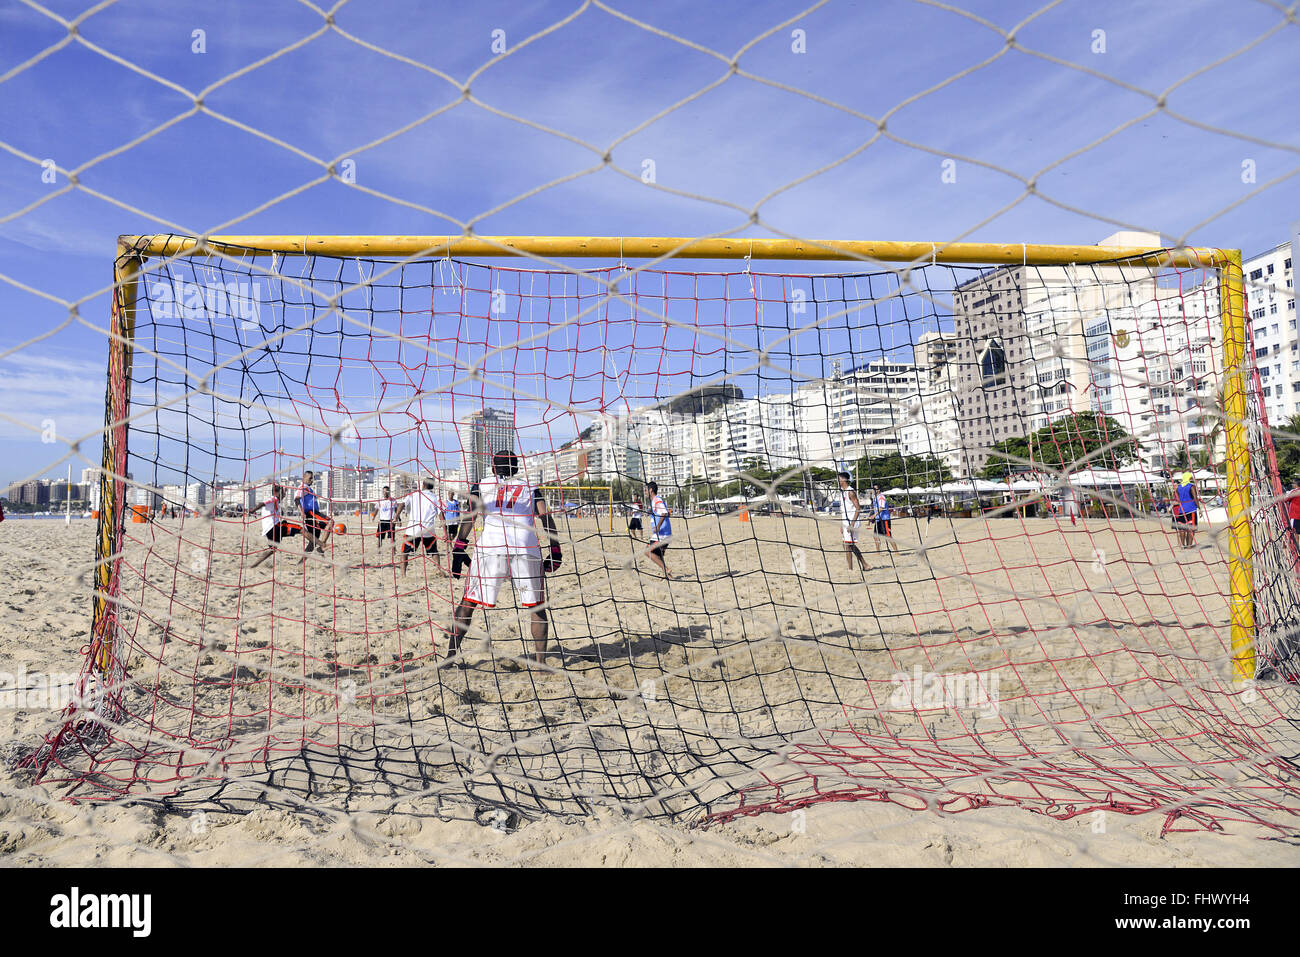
point(1105, 647)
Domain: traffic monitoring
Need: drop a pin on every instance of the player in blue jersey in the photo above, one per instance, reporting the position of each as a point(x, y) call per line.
point(313, 519)
point(661, 527)
point(451, 516)
point(459, 542)
point(1186, 508)
point(882, 514)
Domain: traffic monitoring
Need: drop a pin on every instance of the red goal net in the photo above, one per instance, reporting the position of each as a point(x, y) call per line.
point(1009, 600)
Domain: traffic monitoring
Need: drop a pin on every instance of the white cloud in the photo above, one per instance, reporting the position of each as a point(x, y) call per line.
point(36, 388)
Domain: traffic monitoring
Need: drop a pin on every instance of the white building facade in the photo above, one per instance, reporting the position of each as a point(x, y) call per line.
point(1270, 306)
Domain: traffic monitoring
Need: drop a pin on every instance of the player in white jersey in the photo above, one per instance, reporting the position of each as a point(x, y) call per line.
point(274, 527)
point(508, 547)
point(386, 511)
point(420, 509)
point(850, 516)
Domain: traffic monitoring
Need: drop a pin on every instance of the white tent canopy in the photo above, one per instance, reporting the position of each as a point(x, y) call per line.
point(1129, 475)
point(1137, 475)
point(1091, 478)
point(968, 487)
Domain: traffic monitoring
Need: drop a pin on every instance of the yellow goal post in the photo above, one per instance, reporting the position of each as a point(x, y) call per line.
point(135, 252)
point(608, 489)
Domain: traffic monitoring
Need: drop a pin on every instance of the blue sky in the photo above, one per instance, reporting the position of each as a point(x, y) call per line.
point(595, 79)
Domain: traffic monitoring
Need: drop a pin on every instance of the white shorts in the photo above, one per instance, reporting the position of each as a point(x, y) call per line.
point(849, 533)
point(492, 566)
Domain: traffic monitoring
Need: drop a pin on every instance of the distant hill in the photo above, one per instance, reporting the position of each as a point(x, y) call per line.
point(697, 403)
point(704, 401)
point(583, 436)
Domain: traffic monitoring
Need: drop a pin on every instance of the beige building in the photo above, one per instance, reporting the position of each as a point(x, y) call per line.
point(1024, 334)
point(931, 426)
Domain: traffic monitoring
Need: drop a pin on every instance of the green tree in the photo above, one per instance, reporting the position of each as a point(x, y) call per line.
point(903, 471)
point(1218, 415)
point(1058, 444)
point(1180, 459)
point(1287, 450)
point(791, 484)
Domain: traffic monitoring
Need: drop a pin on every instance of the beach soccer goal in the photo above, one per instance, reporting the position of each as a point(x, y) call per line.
point(594, 502)
point(927, 630)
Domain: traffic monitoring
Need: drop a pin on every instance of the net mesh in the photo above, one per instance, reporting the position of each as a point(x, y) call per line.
point(1046, 644)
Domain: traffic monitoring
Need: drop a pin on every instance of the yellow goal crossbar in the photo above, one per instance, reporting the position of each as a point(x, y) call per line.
point(133, 251)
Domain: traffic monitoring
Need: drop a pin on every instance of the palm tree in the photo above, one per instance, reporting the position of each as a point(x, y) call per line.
point(1286, 446)
point(1217, 412)
point(1179, 460)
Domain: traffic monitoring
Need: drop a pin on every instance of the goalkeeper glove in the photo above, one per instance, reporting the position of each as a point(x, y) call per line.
point(553, 562)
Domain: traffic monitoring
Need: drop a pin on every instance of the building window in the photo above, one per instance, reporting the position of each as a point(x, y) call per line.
point(993, 364)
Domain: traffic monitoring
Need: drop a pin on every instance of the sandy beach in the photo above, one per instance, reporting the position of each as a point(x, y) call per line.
point(301, 712)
